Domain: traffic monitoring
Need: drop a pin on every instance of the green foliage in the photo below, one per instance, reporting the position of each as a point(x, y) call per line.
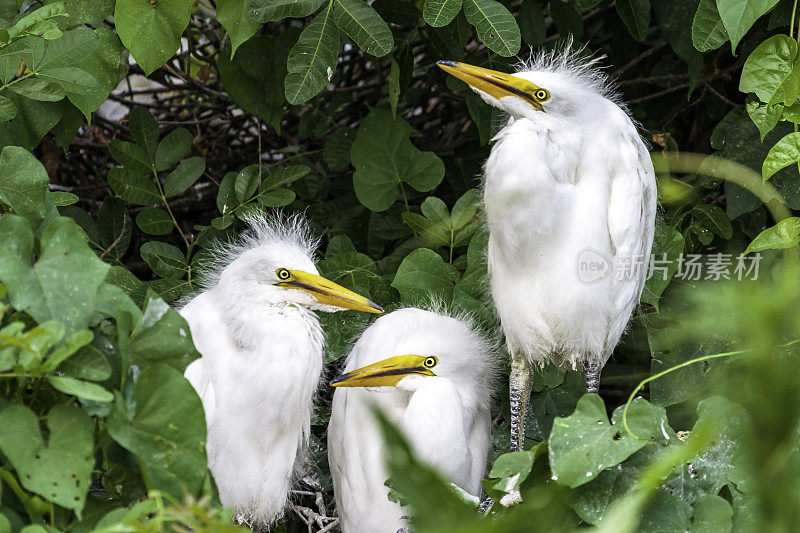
point(335, 108)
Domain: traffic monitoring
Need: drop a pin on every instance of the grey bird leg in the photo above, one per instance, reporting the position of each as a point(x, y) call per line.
point(519, 393)
point(592, 371)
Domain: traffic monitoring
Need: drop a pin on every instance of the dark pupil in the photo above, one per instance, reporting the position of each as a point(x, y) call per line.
point(541, 95)
point(429, 362)
point(283, 274)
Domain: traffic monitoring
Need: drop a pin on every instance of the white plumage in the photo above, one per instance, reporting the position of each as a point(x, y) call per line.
point(261, 347)
point(445, 417)
point(568, 183)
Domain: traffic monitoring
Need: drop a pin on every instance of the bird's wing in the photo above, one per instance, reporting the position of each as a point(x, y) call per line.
point(205, 322)
point(631, 221)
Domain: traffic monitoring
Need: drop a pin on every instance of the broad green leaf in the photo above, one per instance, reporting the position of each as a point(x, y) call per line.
point(284, 176)
point(531, 23)
point(495, 25)
point(132, 156)
point(784, 234)
point(164, 426)
point(246, 183)
point(739, 15)
point(675, 21)
point(33, 120)
point(394, 85)
point(567, 20)
point(71, 79)
point(785, 152)
point(436, 233)
point(161, 336)
point(465, 208)
point(63, 283)
point(269, 10)
point(712, 514)
point(667, 248)
point(771, 73)
point(440, 13)
point(423, 277)
point(58, 469)
point(172, 148)
point(312, 60)
point(88, 363)
point(164, 259)
point(764, 116)
point(336, 151)
point(151, 31)
point(714, 219)
point(104, 65)
point(92, 12)
point(513, 468)
point(7, 109)
point(29, 49)
point(144, 130)
point(114, 227)
point(226, 197)
point(23, 183)
point(184, 176)
point(71, 344)
point(40, 89)
point(708, 32)
point(383, 157)
point(69, 50)
point(61, 198)
point(154, 221)
point(133, 187)
point(276, 198)
point(636, 16)
point(42, 21)
point(234, 15)
point(584, 444)
point(254, 80)
point(362, 24)
point(80, 389)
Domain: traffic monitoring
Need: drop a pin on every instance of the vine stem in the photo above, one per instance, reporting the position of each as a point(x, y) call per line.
point(791, 23)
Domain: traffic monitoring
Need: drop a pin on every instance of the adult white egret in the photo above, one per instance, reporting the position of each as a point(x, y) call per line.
point(432, 375)
point(570, 200)
point(261, 347)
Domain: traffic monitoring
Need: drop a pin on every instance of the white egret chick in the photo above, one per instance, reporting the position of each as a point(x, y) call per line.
point(430, 374)
point(570, 199)
point(261, 363)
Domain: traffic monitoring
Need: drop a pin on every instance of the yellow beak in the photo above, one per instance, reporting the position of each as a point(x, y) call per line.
point(384, 373)
point(329, 293)
point(492, 82)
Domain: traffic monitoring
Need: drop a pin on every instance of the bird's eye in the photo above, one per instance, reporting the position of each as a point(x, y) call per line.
point(283, 274)
point(430, 362)
point(542, 95)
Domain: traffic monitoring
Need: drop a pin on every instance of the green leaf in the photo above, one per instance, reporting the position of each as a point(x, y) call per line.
point(784, 234)
point(362, 24)
point(394, 85)
point(708, 32)
point(164, 426)
point(154, 221)
point(33, 120)
point(531, 23)
point(173, 148)
point(71, 79)
point(133, 187)
point(284, 176)
point(39, 89)
point(234, 15)
point(164, 259)
point(495, 25)
point(667, 248)
point(785, 152)
point(246, 183)
point(132, 156)
point(80, 389)
point(62, 199)
point(764, 116)
point(513, 468)
point(104, 65)
point(7, 109)
point(276, 198)
point(712, 514)
point(71, 344)
point(151, 31)
point(23, 183)
point(739, 15)
point(312, 60)
point(161, 336)
point(584, 444)
point(226, 197)
point(714, 219)
point(465, 208)
point(422, 277)
point(437, 234)
point(184, 176)
point(770, 71)
point(383, 157)
point(63, 283)
point(440, 13)
point(69, 50)
point(114, 227)
point(269, 10)
point(636, 16)
point(567, 20)
point(92, 12)
point(144, 130)
point(336, 151)
point(58, 469)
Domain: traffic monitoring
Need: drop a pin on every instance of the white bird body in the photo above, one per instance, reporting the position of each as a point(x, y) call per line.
point(553, 193)
point(444, 417)
point(261, 363)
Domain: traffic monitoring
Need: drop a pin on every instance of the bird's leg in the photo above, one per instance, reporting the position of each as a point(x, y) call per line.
point(592, 371)
point(519, 392)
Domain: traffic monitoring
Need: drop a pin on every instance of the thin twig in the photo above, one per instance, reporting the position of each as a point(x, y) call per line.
point(121, 234)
